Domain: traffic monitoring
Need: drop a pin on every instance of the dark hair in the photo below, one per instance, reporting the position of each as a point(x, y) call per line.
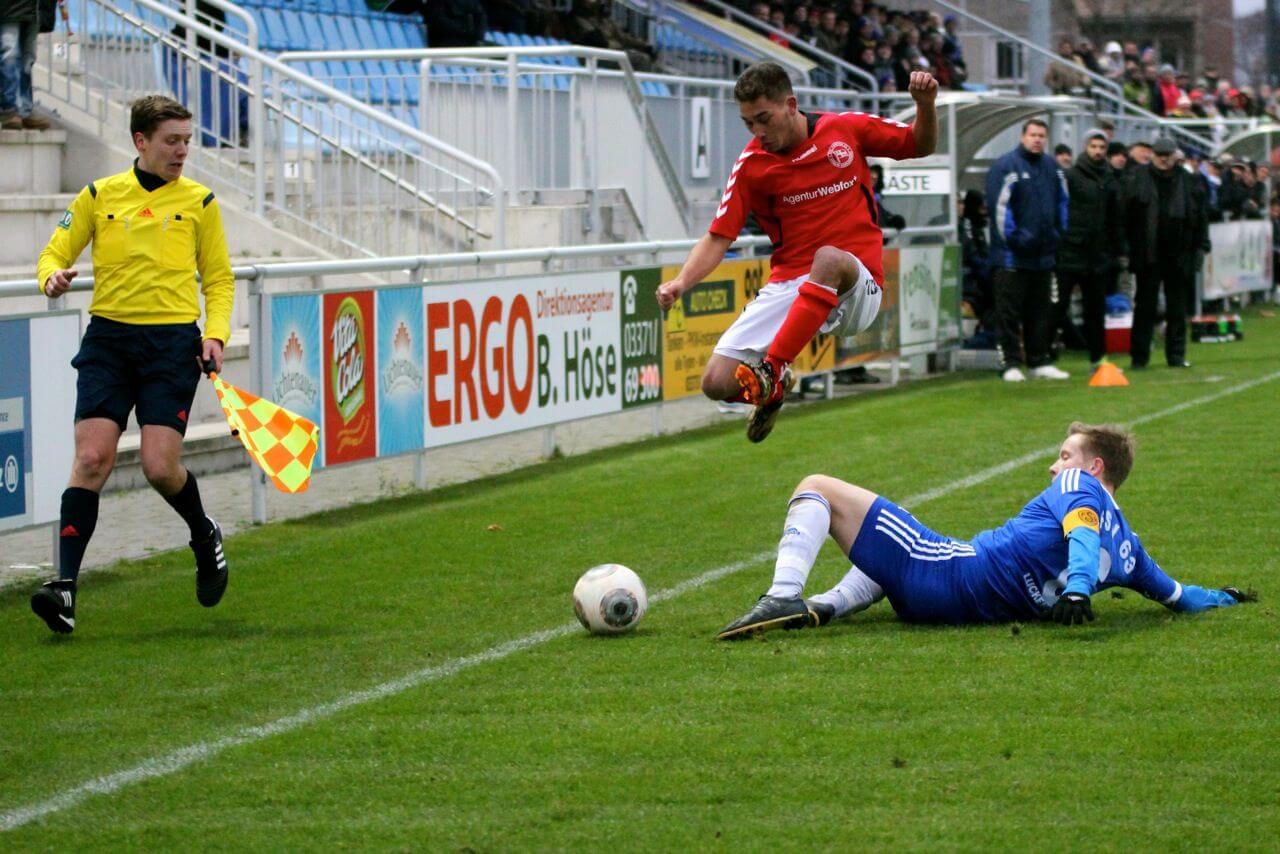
point(1029, 122)
point(1061, 148)
point(1113, 445)
point(1116, 147)
point(1139, 144)
point(146, 113)
point(763, 80)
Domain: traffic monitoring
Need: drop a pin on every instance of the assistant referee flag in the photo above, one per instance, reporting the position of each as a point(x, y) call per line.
point(281, 443)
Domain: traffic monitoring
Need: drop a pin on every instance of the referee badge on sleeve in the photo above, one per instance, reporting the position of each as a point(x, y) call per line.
point(65, 222)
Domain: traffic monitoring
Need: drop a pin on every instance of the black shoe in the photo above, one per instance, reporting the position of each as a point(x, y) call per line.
point(856, 376)
point(820, 613)
point(769, 612)
point(1134, 366)
point(55, 603)
point(211, 567)
point(762, 419)
point(1180, 364)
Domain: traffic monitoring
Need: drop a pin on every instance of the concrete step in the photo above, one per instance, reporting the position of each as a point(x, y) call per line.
point(31, 161)
point(26, 221)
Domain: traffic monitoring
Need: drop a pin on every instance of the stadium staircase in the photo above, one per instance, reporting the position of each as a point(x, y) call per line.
point(340, 174)
point(536, 215)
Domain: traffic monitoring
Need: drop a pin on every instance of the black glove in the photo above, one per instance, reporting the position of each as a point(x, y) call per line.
point(1241, 595)
point(1072, 608)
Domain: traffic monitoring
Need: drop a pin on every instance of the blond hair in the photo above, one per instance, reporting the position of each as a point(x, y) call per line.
point(1111, 443)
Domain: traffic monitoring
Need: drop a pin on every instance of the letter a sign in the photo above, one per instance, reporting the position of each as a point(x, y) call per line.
point(700, 139)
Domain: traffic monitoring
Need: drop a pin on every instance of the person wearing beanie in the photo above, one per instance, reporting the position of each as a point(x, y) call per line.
point(1165, 219)
point(1117, 157)
point(1169, 91)
point(1090, 247)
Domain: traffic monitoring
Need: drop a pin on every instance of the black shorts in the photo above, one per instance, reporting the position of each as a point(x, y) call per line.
point(155, 368)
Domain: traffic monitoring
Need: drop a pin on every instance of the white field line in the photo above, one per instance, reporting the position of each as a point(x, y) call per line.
point(177, 760)
point(1031, 457)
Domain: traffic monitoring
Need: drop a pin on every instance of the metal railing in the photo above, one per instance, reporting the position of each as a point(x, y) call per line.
point(311, 274)
point(415, 266)
point(1131, 120)
point(329, 168)
point(503, 105)
point(469, 102)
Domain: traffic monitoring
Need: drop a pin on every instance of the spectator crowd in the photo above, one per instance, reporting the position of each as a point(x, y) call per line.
point(1160, 88)
point(888, 44)
point(1084, 221)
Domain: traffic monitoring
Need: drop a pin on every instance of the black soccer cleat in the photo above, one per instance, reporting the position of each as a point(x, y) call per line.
point(55, 603)
point(211, 567)
point(1246, 595)
point(762, 419)
point(769, 612)
point(820, 613)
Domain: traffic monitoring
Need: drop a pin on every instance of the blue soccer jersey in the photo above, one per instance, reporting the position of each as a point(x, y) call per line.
point(1071, 538)
point(1027, 557)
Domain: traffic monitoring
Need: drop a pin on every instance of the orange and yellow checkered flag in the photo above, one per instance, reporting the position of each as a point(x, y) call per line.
point(282, 443)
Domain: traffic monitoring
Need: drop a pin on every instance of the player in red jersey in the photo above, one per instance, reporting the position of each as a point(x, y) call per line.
point(805, 178)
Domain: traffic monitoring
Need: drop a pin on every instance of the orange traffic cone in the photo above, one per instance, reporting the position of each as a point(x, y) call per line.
point(1108, 374)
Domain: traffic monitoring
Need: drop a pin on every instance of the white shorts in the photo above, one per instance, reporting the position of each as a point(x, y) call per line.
point(748, 339)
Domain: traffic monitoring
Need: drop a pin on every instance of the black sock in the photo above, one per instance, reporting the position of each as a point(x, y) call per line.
point(76, 522)
point(187, 502)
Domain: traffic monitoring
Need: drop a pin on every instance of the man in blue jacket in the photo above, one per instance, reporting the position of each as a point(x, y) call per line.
point(1027, 197)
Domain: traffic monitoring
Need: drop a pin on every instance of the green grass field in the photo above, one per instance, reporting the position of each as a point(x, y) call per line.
point(246, 726)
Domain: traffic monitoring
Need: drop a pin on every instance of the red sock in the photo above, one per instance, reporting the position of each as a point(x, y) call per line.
point(811, 309)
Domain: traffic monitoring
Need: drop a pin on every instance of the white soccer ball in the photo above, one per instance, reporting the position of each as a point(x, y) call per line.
point(609, 599)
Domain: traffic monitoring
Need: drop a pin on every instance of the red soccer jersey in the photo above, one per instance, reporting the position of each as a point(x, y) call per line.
point(816, 194)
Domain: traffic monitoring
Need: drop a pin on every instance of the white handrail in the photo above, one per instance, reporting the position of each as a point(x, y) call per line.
point(628, 75)
point(251, 24)
point(329, 92)
point(260, 273)
point(257, 109)
point(388, 124)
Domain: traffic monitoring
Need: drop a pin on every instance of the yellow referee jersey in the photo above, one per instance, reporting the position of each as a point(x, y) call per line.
point(147, 246)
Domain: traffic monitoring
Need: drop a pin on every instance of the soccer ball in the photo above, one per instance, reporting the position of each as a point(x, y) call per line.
point(609, 599)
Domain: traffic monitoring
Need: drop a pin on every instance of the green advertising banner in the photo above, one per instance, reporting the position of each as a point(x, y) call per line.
point(641, 337)
point(949, 296)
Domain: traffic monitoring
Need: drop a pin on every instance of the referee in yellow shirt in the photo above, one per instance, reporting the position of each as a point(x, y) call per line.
point(152, 230)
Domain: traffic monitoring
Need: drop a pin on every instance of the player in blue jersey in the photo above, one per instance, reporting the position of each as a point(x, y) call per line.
point(1070, 541)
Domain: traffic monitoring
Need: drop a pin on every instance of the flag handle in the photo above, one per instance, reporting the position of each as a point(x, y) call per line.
point(208, 366)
